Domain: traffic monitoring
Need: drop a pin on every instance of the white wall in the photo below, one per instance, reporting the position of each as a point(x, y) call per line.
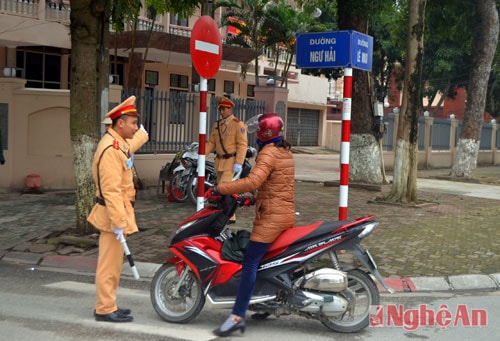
point(311, 90)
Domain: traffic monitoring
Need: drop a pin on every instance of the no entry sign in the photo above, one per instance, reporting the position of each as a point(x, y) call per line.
point(206, 47)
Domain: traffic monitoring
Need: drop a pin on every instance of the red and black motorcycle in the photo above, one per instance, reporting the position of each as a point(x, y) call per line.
point(300, 274)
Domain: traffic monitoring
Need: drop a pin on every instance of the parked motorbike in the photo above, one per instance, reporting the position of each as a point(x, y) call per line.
point(211, 175)
point(300, 274)
point(183, 172)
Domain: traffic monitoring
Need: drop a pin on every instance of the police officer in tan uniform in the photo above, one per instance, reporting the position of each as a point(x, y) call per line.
point(140, 137)
point(229, 140)
point(113, 214)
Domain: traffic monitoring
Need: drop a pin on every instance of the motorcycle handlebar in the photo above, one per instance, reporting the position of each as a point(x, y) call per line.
point(241, 199)
point(244, 200)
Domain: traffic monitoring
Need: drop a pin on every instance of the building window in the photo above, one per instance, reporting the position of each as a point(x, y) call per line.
point(178, 107)
point(228, 87)
point(117, 67)
point(175, 19)
point(151, 78)
point(211, 85)
point(179, 81)
point(250, 90)
point(41, 70)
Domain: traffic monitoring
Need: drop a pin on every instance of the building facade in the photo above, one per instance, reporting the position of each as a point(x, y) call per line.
point(35, 57)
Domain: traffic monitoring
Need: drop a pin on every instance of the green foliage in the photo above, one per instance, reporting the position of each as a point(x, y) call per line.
point(388, 27)
point(448, 45)
point(123, 11)
point(247, 17)
point(183, 8)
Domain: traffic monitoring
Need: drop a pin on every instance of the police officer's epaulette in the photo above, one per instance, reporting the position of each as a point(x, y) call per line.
point(237, 119)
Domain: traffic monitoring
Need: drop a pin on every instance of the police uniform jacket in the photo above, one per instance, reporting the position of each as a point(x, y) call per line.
point(234, 137)
point(274, 177)
point(114, 176)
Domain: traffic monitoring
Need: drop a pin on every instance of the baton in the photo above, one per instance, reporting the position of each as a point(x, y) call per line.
point(129, 257)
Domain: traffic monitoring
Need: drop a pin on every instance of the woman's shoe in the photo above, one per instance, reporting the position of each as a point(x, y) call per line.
point(230, 326)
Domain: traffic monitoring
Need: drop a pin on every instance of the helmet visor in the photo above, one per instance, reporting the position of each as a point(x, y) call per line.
point(253, 124)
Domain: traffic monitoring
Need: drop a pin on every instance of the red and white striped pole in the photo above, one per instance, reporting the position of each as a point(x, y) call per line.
point(345, 144)
point(201, 143)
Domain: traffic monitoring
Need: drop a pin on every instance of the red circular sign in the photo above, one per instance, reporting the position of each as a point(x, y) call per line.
point(206, 47)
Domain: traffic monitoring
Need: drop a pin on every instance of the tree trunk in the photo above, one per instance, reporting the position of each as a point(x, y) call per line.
point(89, 29)
point(364, 155)
point(404, 185)
point(484, 47)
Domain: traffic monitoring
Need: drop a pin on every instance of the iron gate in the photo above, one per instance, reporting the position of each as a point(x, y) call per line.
point(302, 127)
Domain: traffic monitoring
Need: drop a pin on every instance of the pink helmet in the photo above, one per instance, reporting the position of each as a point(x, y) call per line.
point(270, 127)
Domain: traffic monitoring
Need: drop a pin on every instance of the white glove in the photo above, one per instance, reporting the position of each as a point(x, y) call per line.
point(119, 232)
point(142, 128)
point(236, 167)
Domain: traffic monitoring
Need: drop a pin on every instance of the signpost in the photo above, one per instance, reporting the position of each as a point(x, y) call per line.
point(341, 49)
point(206, 53)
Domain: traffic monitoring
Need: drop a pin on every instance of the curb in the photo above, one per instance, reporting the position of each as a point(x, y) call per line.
point(147, 270)
point(444, 283)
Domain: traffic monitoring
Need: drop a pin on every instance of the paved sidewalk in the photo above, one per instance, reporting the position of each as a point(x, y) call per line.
point(449, 243)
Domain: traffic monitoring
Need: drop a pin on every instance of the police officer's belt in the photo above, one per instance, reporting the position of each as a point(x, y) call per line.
point(101, 201)
point(226, 156)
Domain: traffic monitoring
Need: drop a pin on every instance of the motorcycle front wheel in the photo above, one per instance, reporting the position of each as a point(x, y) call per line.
point(363, 293)
point(178, 187)
point(192, 187)
point(179, 306)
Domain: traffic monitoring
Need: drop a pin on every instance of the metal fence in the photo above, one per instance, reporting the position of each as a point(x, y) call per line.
point(440, 134)
point(171, 118)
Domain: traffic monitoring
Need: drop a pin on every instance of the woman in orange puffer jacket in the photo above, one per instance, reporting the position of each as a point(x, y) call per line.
point(273, 176)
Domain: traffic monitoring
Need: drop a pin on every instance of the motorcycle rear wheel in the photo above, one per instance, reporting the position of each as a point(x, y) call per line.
point(178, 187)
point(366, 295)
point(180, 307)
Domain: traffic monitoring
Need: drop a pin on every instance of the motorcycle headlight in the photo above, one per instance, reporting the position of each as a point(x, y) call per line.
point(369, 228)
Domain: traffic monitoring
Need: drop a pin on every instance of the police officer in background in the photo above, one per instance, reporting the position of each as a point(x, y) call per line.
point(229, 140)
point(113, 214)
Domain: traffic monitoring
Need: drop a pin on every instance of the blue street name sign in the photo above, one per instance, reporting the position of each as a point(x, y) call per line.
point(334, 50)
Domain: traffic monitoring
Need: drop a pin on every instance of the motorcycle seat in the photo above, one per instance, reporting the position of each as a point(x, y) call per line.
point(298, 233)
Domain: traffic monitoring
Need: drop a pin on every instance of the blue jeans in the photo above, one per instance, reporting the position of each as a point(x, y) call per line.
point(254, 253)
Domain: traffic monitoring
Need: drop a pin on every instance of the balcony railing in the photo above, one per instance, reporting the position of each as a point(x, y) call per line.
point(42, 10)
point(180, 30)
point(144, 24)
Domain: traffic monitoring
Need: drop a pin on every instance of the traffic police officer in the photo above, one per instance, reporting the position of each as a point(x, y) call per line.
point(113, 214)
point(229, 140)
